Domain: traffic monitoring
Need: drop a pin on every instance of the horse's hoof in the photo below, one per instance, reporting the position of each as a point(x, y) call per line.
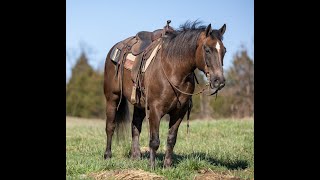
point(107, 156)
point(167, 163)
point(136, 155)
point(152, 168)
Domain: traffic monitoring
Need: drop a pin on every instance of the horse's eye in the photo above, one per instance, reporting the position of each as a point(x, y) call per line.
point(225, 50)
point(207, 49)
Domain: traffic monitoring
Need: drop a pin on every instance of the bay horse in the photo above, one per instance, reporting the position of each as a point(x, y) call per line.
point(169, 83)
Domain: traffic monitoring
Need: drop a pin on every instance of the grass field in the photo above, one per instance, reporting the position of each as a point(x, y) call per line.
point(222, 146)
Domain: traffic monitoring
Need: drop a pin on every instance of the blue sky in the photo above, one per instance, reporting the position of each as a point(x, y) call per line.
point(96, 25)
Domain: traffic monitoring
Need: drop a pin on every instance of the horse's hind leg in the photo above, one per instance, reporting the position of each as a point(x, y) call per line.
point(175, 120)
point(138, 116)
point(110, 123)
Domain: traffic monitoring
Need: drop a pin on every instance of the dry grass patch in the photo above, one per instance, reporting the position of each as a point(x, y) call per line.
point(126, 174)
point(210, 175)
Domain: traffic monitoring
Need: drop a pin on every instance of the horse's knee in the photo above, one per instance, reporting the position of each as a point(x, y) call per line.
point(171, 139)
point(154, 143)
point(110, 127)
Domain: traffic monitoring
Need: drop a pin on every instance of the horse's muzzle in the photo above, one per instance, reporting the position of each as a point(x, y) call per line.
point(214, 89)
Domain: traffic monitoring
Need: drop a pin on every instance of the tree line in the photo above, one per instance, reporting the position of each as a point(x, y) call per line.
point(85, 98)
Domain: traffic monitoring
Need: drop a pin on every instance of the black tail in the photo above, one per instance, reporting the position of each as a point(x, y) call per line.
point(122, 120)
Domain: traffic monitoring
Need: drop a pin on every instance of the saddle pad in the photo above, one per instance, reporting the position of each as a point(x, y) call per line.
point(153, 54)
point(129, 61)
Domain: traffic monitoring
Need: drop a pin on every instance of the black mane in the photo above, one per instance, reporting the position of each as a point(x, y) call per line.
point(196, 26)
point(191, 25)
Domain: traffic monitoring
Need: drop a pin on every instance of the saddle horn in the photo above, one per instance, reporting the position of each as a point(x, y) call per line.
point(168, 22)
point(167, 28)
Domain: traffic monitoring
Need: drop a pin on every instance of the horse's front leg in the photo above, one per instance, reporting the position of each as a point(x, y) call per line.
point(138, 116)
point(175, 119)
point(154, 122)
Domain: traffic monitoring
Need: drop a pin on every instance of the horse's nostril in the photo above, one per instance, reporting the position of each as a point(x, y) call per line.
point(216, 83)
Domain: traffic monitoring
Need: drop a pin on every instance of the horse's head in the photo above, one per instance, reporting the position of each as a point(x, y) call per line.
point(209, 57)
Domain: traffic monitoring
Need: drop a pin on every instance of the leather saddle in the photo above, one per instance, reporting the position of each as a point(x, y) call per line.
point(144, 39)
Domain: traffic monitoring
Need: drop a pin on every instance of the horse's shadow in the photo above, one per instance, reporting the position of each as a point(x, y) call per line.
point(239, 164)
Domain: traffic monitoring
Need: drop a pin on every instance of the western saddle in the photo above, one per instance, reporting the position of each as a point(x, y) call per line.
point(140, 46)
point(145, 38)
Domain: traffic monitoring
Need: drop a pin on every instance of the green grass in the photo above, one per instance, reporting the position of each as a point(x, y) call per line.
point(222, 146)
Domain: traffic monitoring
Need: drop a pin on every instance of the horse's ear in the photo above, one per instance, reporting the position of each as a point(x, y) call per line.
point(208, 30)
point(222, 29)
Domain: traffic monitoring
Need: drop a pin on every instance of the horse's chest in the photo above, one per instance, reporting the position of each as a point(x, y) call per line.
point(179, 102)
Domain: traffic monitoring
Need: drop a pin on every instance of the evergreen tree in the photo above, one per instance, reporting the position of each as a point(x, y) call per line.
point(84, 92)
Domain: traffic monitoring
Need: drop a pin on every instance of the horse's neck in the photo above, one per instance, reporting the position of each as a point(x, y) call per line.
point(179, 69)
